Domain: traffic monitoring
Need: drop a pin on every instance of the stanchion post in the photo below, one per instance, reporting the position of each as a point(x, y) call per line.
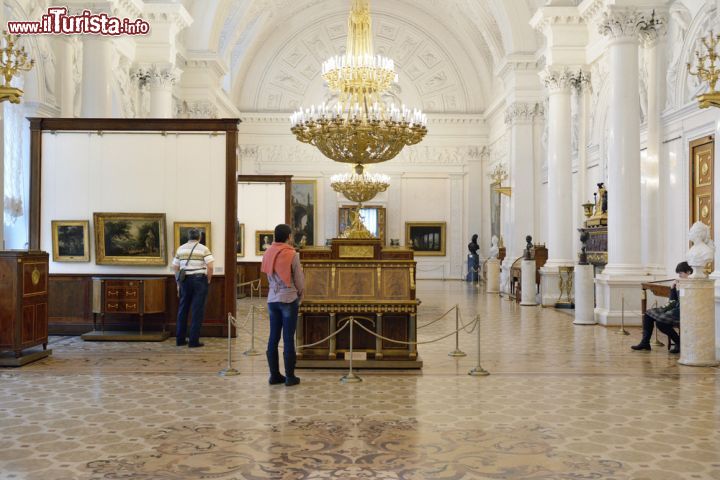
point(252, 352)
point(657, 342)
point(622, 330)
point(351, 377)
point(478, 371)
point(229, 371)
point(457, 352)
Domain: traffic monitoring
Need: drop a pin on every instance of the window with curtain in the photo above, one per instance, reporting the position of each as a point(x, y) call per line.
point(370, 219)
point(14, 175)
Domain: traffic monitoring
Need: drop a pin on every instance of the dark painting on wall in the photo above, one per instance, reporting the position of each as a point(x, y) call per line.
point(181, 233)
point(70, 240)
point(426, 238)
point(130, 238)
point(304, 201)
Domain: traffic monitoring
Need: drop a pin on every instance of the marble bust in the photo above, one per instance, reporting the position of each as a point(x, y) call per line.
point(494, 249)
point(702, 251)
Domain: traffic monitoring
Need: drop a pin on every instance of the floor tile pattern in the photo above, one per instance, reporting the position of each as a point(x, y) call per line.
point(562, 402)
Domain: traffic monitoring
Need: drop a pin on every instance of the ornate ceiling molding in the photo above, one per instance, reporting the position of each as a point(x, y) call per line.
point(524, 112)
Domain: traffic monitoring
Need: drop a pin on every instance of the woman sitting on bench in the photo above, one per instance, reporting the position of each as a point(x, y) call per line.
point(666, 318)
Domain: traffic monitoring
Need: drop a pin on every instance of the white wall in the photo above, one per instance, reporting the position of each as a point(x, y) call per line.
point(180, 175)
point(261, 206)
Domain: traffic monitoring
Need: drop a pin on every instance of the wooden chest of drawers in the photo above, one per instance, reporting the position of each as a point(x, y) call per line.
point(129, 296)
point(23, 300)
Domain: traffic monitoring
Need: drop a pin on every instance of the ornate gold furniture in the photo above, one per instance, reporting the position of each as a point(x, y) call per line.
point(23, 303)
point(358, 277)
point(130, 296)
point(596, 221)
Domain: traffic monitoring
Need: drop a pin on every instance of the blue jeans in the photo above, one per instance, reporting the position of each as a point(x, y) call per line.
point(193, 293)
point(283, 320)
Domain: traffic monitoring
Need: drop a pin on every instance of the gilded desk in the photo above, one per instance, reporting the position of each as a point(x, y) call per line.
point(358, 277)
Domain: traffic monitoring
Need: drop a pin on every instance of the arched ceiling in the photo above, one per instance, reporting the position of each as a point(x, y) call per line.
point(445, 50)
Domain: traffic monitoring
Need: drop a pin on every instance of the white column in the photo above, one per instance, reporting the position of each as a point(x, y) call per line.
point(560, 233)
point(519, 116)
point(160, 80)
point(652, 220)
point(67, 82)
point(97, 77)
point(581, 87)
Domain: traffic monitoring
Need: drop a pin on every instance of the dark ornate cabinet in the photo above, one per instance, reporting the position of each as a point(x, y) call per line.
point(128, 296)
point(23, 300)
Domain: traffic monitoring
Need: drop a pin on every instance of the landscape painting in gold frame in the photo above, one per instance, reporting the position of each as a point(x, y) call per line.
point(239, 240)
point(263, 240)
point(181, 230)
point(71, 240)
point(426, 238)
point(130, 239)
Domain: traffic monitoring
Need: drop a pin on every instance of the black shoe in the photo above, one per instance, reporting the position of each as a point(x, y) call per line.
point(291, 381)
point(274, 364)
point(276, 380)
point(641, 346)
point(180, 344)
point(196, 345)
point(290, 359)
point(675, 348)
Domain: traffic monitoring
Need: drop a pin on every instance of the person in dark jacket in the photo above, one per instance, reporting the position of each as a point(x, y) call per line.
point(666, 318)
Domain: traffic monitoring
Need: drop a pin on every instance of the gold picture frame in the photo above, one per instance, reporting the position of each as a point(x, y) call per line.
point(133, 239)
point(261, 243)
point(427, 239)
point(239, 240)
point(180, 230)
point(70, 240)
point(304, 212)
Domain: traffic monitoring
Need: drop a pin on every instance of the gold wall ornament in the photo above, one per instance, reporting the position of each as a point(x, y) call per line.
point(707, 70)
point(359, 187)
point(497, 176)
point(12, 61)
point(360, 128)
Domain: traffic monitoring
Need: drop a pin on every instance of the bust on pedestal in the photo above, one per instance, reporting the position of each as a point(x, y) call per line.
point(493, 268)
point(528, 287)
point(697, 303)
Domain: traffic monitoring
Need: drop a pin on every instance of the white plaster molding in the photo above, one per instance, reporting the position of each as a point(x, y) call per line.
point(174, 14)
point(519, 112)
point(197, 109)
point(630, 23)
point(156, 75)
point(557, 80)
point(549, 16)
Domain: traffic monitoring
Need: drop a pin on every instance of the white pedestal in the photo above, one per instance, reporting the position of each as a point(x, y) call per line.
point(584, 295)
point(697, 323)
point(549, 286)
point(529, 288)
point(618, 293)
point(493, 276)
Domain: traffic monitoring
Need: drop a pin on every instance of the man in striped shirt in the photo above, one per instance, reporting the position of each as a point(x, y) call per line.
point(197, 262)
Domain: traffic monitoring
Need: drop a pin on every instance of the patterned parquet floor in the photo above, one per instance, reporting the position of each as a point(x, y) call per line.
point(562, 402)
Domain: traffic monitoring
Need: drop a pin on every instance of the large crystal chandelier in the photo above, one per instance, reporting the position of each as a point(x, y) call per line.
point(361, 128)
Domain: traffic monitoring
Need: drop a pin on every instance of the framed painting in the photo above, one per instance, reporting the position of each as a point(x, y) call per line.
point(304, 201)
point(426, 238)
point(71, 240)
point(181, 230)
point(263, 240)
point(239, 240)
point(373, 219)
point(130, 238)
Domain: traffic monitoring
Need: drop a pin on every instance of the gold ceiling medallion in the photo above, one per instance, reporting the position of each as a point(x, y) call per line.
point(707, 70)
point(361, 128)
point(12, 61)
point(497, 177)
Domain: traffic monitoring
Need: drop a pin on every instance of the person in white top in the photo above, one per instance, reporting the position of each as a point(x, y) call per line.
point(195, 261)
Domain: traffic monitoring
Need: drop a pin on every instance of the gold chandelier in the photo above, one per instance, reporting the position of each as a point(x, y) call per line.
point(708, 71)
point(360, 128)
point(12, 61)
point(359, 187)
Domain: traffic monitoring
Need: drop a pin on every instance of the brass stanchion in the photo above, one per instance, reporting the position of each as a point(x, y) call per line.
point(229, 371)
point(252, 352)
point(478, 371)
point(457, 352)
point(351, 377)
point(622, 330)
point(656, 342)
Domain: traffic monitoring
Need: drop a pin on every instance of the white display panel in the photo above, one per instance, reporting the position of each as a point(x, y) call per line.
point(261, 206)
point(181, 175)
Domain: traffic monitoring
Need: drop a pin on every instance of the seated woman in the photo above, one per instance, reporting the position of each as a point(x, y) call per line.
point(666, 318)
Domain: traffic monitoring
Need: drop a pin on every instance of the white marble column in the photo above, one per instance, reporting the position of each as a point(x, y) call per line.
point(559, 191)
point(160, 81)
point(655, 46)
point(67, 82)
point(618, 283)
point(96, 77)
point(581, 90)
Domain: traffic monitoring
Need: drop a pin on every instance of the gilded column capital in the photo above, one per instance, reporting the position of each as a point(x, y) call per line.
point(557, 81)
point(632, 24)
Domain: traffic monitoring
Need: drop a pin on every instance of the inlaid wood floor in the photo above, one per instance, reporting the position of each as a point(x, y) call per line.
point(562, 402)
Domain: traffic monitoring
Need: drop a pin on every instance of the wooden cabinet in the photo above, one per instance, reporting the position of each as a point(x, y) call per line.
point(128, 296)
point(23, 300)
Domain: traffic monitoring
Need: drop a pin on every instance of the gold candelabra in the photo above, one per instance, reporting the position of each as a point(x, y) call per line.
point(12, 61)
point(708, 70)
point(361, 128)
point(359, 187)
point(498, 176)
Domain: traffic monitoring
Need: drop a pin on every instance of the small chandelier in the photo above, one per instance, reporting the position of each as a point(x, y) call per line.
point(360, 128)
point(359, 187)
point(498, 176)
point(12, 61)
point(708, 70)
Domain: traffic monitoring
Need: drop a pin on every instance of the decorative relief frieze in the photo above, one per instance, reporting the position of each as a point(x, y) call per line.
point(523, 112)
point(197, 109)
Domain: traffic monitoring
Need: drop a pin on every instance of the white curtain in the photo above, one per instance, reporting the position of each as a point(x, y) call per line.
point(370, 219)
point(13, 167)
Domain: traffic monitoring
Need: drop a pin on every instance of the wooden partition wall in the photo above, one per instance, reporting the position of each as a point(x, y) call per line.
point(70, 295)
